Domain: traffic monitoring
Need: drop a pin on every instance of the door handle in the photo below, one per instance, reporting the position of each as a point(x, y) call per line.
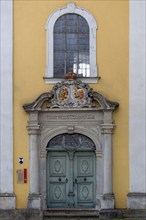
point(66, 180)
point(75, 180)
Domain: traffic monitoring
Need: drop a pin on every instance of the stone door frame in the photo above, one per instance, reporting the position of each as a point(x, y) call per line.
point(71, 107)
point(95, 124)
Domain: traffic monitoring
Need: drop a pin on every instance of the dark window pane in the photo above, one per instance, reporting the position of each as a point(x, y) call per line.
point(60, 25)
point(69, 61)
point(83, 29)
point(71, 29)
point(83, 47)
point(71, 42)
point(71, 45)
point(71, 140)
point(59, 63)
point(83, 26)
point(83, 38)
point(71, 19)
point(59, 42)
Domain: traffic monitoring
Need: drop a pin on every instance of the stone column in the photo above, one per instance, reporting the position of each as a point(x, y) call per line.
point(107, 201)
point(34, 198)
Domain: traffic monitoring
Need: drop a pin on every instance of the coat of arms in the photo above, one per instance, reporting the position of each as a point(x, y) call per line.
point(71, 93)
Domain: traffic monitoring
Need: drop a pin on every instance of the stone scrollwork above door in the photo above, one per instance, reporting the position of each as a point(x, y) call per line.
point(70, 93)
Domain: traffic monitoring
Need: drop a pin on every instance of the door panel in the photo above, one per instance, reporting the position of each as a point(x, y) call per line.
point(57, 167)
point(84, 179)
point(71, 179)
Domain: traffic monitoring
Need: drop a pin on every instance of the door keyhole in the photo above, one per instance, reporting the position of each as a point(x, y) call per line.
point(59, 179)
point(85, 179)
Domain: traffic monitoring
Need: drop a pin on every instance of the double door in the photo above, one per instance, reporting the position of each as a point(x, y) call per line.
point(71, 179)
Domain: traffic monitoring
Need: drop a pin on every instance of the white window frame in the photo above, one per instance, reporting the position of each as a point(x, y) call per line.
point(71, 8)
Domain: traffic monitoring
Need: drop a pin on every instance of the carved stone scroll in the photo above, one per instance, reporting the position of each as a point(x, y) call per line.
point(70, 93)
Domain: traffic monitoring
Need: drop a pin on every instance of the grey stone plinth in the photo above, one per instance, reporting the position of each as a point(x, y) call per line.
point(107, 201)
point(34, 201)
point(136, 200)
point(7, 201)
point(21, 214)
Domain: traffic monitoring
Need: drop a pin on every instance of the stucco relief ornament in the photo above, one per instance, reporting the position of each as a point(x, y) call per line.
point(71, 93)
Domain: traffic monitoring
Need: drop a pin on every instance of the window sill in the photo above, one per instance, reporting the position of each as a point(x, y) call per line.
point(49, 80)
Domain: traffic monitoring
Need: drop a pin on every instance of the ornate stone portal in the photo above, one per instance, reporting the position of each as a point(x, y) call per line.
point(71, 107)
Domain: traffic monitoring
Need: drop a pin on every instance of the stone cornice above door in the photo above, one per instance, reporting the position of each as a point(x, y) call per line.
point(71, 94)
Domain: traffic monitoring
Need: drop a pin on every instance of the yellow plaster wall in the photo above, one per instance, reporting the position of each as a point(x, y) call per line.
point(113, 66)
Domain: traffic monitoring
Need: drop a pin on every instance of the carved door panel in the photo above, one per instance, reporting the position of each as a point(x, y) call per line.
point(71, 179)
point(84, 179)
point(57, 175)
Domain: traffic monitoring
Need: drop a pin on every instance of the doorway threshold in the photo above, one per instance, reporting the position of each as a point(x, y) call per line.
point(71, 212)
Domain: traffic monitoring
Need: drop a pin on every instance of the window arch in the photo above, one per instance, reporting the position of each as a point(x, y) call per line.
point(71, 44)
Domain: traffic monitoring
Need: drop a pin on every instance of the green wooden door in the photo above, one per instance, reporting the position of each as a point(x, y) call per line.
point(71, 172)
point(71, 177)
point(84, 179)
point(57, 179)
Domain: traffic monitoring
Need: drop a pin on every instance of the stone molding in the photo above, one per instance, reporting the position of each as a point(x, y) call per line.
point(98, 153)
point(58, 99)
point(107, 128)
point(48, 134)
point(33, 130)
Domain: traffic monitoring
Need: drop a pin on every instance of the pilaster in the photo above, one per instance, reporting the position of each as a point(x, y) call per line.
point(99, 178)
point(34, 198)
point(136, 198)
point(7, 196)
point(107, 199)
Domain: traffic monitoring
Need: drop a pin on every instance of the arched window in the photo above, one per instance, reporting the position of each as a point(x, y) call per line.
point(71, 44)
point(78, 141)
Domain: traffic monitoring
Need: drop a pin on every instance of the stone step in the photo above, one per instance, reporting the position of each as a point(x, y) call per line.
point(71, 214)
point(69, 218)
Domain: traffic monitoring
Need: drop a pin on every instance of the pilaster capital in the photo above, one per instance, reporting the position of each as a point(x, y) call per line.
point(43, 153)
point(33, 128)
point(98, 153)
point(107, 128)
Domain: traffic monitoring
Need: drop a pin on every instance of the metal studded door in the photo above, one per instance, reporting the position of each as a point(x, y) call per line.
point(84, 179)
point(57, 174)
